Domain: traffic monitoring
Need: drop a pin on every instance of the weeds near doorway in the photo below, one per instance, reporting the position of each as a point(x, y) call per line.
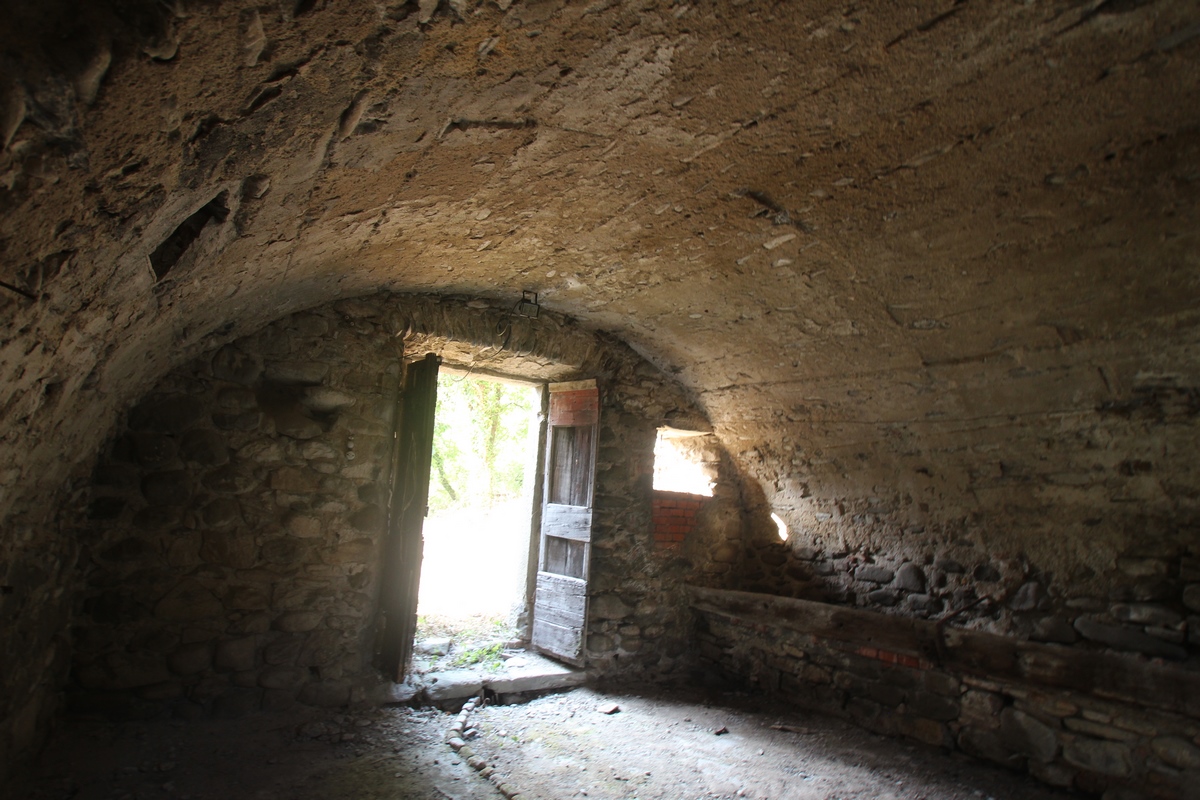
point(487, 656)
point(474, 640)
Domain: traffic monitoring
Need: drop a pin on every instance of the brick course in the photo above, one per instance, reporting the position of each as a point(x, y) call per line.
point(674, 517)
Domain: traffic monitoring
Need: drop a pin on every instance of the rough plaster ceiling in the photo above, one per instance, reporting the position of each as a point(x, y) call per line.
point(894, 251)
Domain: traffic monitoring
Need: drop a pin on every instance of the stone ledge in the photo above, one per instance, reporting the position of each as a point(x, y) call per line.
point(1173, 688)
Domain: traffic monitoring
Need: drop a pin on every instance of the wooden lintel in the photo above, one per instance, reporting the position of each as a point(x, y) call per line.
point(573, 386)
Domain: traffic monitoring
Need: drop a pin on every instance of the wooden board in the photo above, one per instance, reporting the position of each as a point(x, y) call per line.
point(559, 640)
point(407, 503)
point(567, 522)
point(561, 610)
point(566, 557)
point(570, 469)
point(564, 552)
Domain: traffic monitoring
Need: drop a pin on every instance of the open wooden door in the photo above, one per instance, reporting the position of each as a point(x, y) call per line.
point(409, 496)
point(564, 552)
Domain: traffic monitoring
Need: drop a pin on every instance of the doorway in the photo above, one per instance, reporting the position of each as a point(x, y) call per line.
point(473, 597)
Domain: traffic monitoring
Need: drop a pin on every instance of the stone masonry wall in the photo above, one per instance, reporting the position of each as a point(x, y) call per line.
point(235, 518)
point(1091, 541)
point(1112, 724)
point(1145, 600)
point(235, 525)
point(637, 611)
point(638, 614)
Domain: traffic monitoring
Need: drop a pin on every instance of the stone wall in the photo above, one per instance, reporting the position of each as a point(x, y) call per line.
point(1086, 535)
point(1146, 600)
point(1094, 722)
point(926, 339)
point(235, 518)
point(37, 562)
point(638, 615)
point(235, 525)
point(638, 612)
point(1115, 591)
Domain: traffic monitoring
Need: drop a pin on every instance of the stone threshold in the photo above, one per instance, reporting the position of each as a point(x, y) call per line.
point(521, 676)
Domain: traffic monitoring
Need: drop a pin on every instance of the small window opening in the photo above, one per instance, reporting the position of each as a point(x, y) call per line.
point(167, 254)
point(684, 461)
point(781, 525)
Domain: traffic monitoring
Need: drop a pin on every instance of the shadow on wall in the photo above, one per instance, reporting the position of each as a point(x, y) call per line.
point(1148, 603)
point(236, 527)
point(1086, 680)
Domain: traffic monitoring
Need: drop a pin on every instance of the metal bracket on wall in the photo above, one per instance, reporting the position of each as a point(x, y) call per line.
point(528, 306)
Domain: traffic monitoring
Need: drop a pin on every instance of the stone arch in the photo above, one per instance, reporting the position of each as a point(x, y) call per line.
point(235, 516)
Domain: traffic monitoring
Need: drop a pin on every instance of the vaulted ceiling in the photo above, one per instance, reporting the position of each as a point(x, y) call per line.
point(934, 261)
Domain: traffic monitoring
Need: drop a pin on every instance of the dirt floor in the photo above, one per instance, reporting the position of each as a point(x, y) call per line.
point(667, 744)
point(692, 744)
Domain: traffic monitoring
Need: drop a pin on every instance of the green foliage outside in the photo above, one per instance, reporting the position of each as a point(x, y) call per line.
point(476, 639)
point(479, 442)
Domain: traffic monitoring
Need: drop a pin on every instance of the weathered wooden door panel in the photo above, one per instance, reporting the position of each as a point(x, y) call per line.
point(566, 557)
point(564, 552)
point(409, 496)
point(559, 616)
point(567, 522)
point(571, 457)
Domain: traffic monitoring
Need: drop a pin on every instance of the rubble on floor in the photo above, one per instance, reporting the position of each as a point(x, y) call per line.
point(683, 743)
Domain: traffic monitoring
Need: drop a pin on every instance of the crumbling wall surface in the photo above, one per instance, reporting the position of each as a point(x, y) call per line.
point(638, 616)
point(1059, 636)
point(1097, 722)
point(232, 547)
